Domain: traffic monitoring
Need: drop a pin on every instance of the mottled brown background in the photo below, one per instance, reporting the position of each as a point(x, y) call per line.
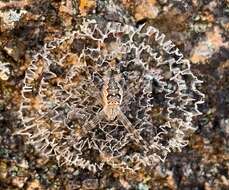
point(198, 27)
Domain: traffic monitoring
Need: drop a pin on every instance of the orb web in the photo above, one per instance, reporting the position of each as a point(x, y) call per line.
point(62, 94)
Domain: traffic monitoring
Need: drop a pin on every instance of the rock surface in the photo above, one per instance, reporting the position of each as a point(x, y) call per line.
point(199, 28)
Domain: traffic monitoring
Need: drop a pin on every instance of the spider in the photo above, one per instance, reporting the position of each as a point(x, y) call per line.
point(111, 96)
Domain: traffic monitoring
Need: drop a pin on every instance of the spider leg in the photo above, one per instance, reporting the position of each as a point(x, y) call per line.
point(92, 123)
point(127, 124)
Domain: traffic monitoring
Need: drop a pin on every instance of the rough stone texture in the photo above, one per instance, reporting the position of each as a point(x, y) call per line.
point(199, 28)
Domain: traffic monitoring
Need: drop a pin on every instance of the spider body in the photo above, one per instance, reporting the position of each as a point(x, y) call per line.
point(112, 95)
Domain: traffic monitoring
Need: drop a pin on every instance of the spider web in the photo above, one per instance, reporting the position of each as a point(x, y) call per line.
point(62, 93)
